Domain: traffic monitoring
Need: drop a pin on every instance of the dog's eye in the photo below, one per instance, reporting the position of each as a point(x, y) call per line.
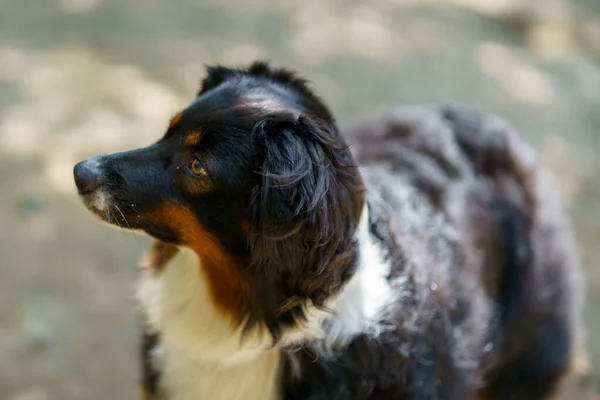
point(197, 168)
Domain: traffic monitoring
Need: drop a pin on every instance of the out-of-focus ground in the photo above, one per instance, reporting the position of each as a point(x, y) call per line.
point(81, 77)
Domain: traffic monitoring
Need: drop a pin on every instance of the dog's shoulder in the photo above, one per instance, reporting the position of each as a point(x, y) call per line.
point(512, 232)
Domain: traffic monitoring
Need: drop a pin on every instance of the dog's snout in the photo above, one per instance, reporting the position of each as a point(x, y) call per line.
point(87, 176)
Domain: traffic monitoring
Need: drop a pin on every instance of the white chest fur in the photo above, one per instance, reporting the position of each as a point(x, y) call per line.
point(203, 357)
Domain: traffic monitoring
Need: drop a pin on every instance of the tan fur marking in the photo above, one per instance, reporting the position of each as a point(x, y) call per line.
point(228, 286)
point(146, 395)
point(176, 118)
point(158, 255)
point(193, 138)
point(245, 225)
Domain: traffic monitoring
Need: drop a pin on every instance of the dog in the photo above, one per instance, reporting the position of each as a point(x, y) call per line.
point(433, 260)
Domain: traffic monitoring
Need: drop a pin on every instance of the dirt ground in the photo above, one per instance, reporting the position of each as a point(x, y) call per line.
point(81, 77)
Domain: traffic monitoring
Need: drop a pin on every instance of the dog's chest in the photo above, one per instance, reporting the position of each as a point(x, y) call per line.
point(200, 355)
point(203, 357)
point(187, 379)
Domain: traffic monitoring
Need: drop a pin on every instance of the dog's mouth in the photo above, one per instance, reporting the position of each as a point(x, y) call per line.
point(104, 206)
point(124, 215)
point(106, 201)
point(97, 197)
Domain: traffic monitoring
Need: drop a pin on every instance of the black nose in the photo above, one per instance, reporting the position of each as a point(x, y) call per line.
point(87, 175)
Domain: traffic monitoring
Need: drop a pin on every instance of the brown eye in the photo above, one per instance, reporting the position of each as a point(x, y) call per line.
point(197, 168)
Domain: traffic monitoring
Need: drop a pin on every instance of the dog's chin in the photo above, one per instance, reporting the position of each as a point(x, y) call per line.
point(104, 207)
point(107, 209)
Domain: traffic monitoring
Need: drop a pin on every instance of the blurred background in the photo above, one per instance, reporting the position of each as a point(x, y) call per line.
point(81, 77)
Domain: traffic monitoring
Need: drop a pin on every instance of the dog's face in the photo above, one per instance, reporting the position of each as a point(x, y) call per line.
point(197, 177)
point(255, 178)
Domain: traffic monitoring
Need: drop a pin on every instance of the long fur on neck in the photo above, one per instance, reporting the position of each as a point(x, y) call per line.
point(202, 355)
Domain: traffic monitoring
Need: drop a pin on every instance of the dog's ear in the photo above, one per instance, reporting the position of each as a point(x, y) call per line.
point(295, 176)
point(215, 75)
point(304, 213)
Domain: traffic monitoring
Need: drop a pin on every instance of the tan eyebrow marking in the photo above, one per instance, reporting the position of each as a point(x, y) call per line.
point(193, 138)
point(176, 118)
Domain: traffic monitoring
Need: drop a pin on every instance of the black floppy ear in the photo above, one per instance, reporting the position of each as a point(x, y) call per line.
point(215, 75)
point(295, 175)
point(304, 212)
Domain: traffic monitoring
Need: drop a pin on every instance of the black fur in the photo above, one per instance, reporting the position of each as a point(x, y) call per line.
point(481, 253)
point(303, 217)
point(400, 363)
point(150, 375)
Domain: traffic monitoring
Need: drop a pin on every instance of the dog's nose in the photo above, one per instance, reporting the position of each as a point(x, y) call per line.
point(87, 176)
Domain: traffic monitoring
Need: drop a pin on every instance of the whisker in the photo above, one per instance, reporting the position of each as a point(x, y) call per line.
point(107, 215)
point(110, 215)
point(122, 215)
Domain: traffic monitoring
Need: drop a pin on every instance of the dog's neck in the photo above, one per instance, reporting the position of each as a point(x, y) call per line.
point(361, 305)
point(201, 350)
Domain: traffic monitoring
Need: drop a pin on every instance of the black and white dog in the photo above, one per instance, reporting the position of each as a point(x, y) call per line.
point(441, 268)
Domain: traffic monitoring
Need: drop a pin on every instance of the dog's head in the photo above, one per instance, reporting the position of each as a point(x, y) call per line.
point(255, 178)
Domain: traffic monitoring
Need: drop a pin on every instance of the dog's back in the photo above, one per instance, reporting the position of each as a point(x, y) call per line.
point(512, 234)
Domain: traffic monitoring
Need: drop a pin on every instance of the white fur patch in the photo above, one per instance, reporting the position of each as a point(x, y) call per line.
point(99, 200)
point(362, 304)
point(203, 356)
